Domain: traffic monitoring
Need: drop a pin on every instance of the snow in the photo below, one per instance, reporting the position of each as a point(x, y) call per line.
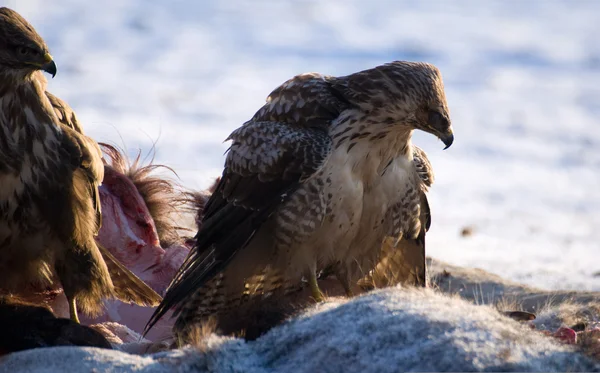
point(522, 80)
point(390, 330)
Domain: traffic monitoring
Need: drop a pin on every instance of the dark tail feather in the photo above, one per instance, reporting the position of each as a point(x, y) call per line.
point(226, 229)
point(204, 262)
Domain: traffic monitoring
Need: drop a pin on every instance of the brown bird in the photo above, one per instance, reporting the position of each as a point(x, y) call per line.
point(321, 174)
point(49, 177)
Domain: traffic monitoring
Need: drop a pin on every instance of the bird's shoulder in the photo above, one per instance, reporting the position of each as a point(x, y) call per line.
point(306, 100)
point(65, 114)
point(423, 167)
point(84, 152)
point(288, 138)
point(276, 150)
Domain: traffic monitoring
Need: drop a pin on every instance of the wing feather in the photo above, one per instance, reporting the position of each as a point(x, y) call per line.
point(405, 262)
point(266, 162)
point(86, 157)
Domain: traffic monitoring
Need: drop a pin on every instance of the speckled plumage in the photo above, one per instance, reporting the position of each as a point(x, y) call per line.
point(320, 175)
point(49, 177)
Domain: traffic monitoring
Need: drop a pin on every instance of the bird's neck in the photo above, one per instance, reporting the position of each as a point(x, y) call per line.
point(11, 79)
point(389, 140)
point(24, 100)
point(26, 95)
point(371, 146)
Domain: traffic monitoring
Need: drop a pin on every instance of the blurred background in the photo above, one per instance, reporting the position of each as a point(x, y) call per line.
point(517, 194)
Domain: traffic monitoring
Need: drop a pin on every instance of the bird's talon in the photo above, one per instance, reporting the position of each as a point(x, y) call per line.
point(317, 294)
point(73, 310)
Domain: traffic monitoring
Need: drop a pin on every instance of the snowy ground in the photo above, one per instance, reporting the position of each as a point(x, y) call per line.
point(522, 80)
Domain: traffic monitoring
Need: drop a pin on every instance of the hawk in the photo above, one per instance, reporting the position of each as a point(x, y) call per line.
point(49, 177)
point(319, 176)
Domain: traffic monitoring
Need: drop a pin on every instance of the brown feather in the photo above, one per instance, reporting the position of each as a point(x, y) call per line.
point(91, 155)
point(129, 287)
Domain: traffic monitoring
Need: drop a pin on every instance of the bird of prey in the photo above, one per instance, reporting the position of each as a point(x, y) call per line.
point(320, 175)
point(49, 177)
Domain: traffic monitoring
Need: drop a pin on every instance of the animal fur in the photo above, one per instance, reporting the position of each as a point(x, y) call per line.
point(26, 325)
point(161, 195)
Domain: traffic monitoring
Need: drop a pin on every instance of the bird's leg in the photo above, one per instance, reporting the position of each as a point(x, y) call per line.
point(314, 285)
point(341, 273)
point(73, 310)
point(314, 288)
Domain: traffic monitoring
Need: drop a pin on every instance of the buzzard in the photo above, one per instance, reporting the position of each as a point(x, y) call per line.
point(320, 176)
point(49, 177)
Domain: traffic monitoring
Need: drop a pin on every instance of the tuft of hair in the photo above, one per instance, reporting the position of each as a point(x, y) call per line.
point(161, 194)
point(195, 201)
point(589, 344)
point(194, 204)
point(580, 316)
point(197, 335)
point(568, 313)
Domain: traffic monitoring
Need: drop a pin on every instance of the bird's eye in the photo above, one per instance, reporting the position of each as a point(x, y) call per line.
point(23, 51)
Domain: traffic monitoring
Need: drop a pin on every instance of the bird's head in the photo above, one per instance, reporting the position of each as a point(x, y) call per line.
point(422, 91)
point(403, 94)
point(22, 50)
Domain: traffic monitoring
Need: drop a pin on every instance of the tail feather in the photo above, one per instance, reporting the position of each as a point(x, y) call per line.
point(228, 226)
point(129, 287)
point(224, 298)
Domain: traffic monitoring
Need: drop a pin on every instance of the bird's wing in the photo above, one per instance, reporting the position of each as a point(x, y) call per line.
point(89, 155)
point(65, 114)
point(404, 262)
point(86, 159)
point(307, 100)
point(266, 162)
point(423, 166)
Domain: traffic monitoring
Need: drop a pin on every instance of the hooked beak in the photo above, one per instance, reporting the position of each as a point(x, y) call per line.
point(441, 127)
point(49, 66)
point(447, 138)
